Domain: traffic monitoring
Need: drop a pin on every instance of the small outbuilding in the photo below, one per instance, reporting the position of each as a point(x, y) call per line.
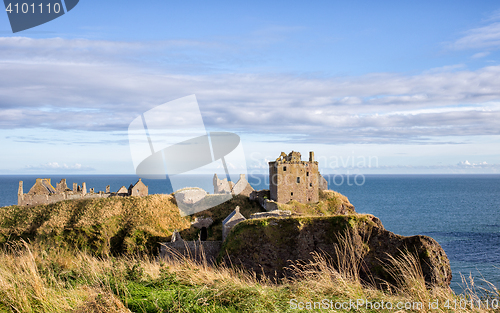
point(230, 221)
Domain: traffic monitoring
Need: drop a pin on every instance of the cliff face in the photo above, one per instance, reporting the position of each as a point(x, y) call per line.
point(271, 245)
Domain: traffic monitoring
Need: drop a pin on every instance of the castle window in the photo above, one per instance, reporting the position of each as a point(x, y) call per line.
point(307, 174)
point(298, 180)
point(310, 184)
point(284, 168)
point(291, 194)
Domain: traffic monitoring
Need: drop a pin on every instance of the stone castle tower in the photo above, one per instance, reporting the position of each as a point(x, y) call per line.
point(290, 178)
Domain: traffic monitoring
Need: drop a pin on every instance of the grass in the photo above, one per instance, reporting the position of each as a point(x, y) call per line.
point(330, 203)
point(100, 226)
point(131, 224)
point(39, 279)
point(94, 256)
point(113, 225)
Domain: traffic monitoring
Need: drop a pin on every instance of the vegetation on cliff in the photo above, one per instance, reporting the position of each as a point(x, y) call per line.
point(131, 224)
point(218, 213)
point(41, 279)
point(330, 203)
point(101, 226)
point(272, 245)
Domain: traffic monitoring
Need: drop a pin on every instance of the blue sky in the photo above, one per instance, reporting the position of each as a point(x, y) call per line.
point(371, 87)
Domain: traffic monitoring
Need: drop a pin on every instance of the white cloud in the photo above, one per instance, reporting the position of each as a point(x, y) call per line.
point(485, 37)
point(55, 166)
point(466, 163)
point(107, 96)
point(480, 55)
point(446, 68)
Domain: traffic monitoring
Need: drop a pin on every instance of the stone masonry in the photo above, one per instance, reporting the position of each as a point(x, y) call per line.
point(290, 178)
point(43, 192)
point(222, 186)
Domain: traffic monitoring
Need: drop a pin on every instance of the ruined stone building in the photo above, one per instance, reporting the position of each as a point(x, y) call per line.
point(230, 221)
point(290, 178)
point(242, 187)
point(138, 190)
point(43, 192)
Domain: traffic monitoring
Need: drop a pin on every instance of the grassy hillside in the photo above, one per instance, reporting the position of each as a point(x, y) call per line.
point(111, 225)
point(82, 257)
point(132, 224)
point(102, 226)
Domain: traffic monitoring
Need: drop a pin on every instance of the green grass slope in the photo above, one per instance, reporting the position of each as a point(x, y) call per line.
point(101, 226)
point(111, 225)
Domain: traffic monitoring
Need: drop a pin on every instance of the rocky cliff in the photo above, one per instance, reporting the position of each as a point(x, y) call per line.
point(272, 245)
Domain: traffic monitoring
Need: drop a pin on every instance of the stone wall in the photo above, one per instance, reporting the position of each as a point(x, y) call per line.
point(195, 250)
point(323, 183)
point(222, 186)
point(29, 199)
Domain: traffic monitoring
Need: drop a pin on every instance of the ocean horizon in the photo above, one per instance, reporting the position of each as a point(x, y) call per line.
point(460, 211)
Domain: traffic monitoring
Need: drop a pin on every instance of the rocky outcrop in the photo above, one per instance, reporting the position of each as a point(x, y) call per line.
point(271, 245)
point(201, 221)
point(275, 213)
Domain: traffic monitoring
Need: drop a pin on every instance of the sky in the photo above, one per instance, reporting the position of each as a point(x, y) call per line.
point(386, 87)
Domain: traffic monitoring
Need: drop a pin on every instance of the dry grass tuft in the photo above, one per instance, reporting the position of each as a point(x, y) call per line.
point(38, 279)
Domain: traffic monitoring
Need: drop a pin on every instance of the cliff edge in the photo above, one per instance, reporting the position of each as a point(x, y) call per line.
point(273, 245)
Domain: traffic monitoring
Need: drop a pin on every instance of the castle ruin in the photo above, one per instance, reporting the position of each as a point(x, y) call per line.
point(43, 192)
point(290, 178)
point(223, 186)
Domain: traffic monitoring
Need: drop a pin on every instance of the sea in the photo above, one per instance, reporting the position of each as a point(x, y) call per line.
point(461, 212)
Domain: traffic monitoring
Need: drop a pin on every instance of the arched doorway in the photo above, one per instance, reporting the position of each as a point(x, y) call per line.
point(203, 234)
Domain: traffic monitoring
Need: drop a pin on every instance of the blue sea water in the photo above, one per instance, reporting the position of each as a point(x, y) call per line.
point(462, 212)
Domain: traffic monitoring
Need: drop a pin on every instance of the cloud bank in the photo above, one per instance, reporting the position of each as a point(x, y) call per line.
point(78, 85)
point(56, 167)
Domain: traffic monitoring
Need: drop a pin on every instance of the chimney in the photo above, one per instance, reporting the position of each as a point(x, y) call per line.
point(20, 191)
point(84, 188)
point(108, 189)
point(311, 156)
point(75, 187)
